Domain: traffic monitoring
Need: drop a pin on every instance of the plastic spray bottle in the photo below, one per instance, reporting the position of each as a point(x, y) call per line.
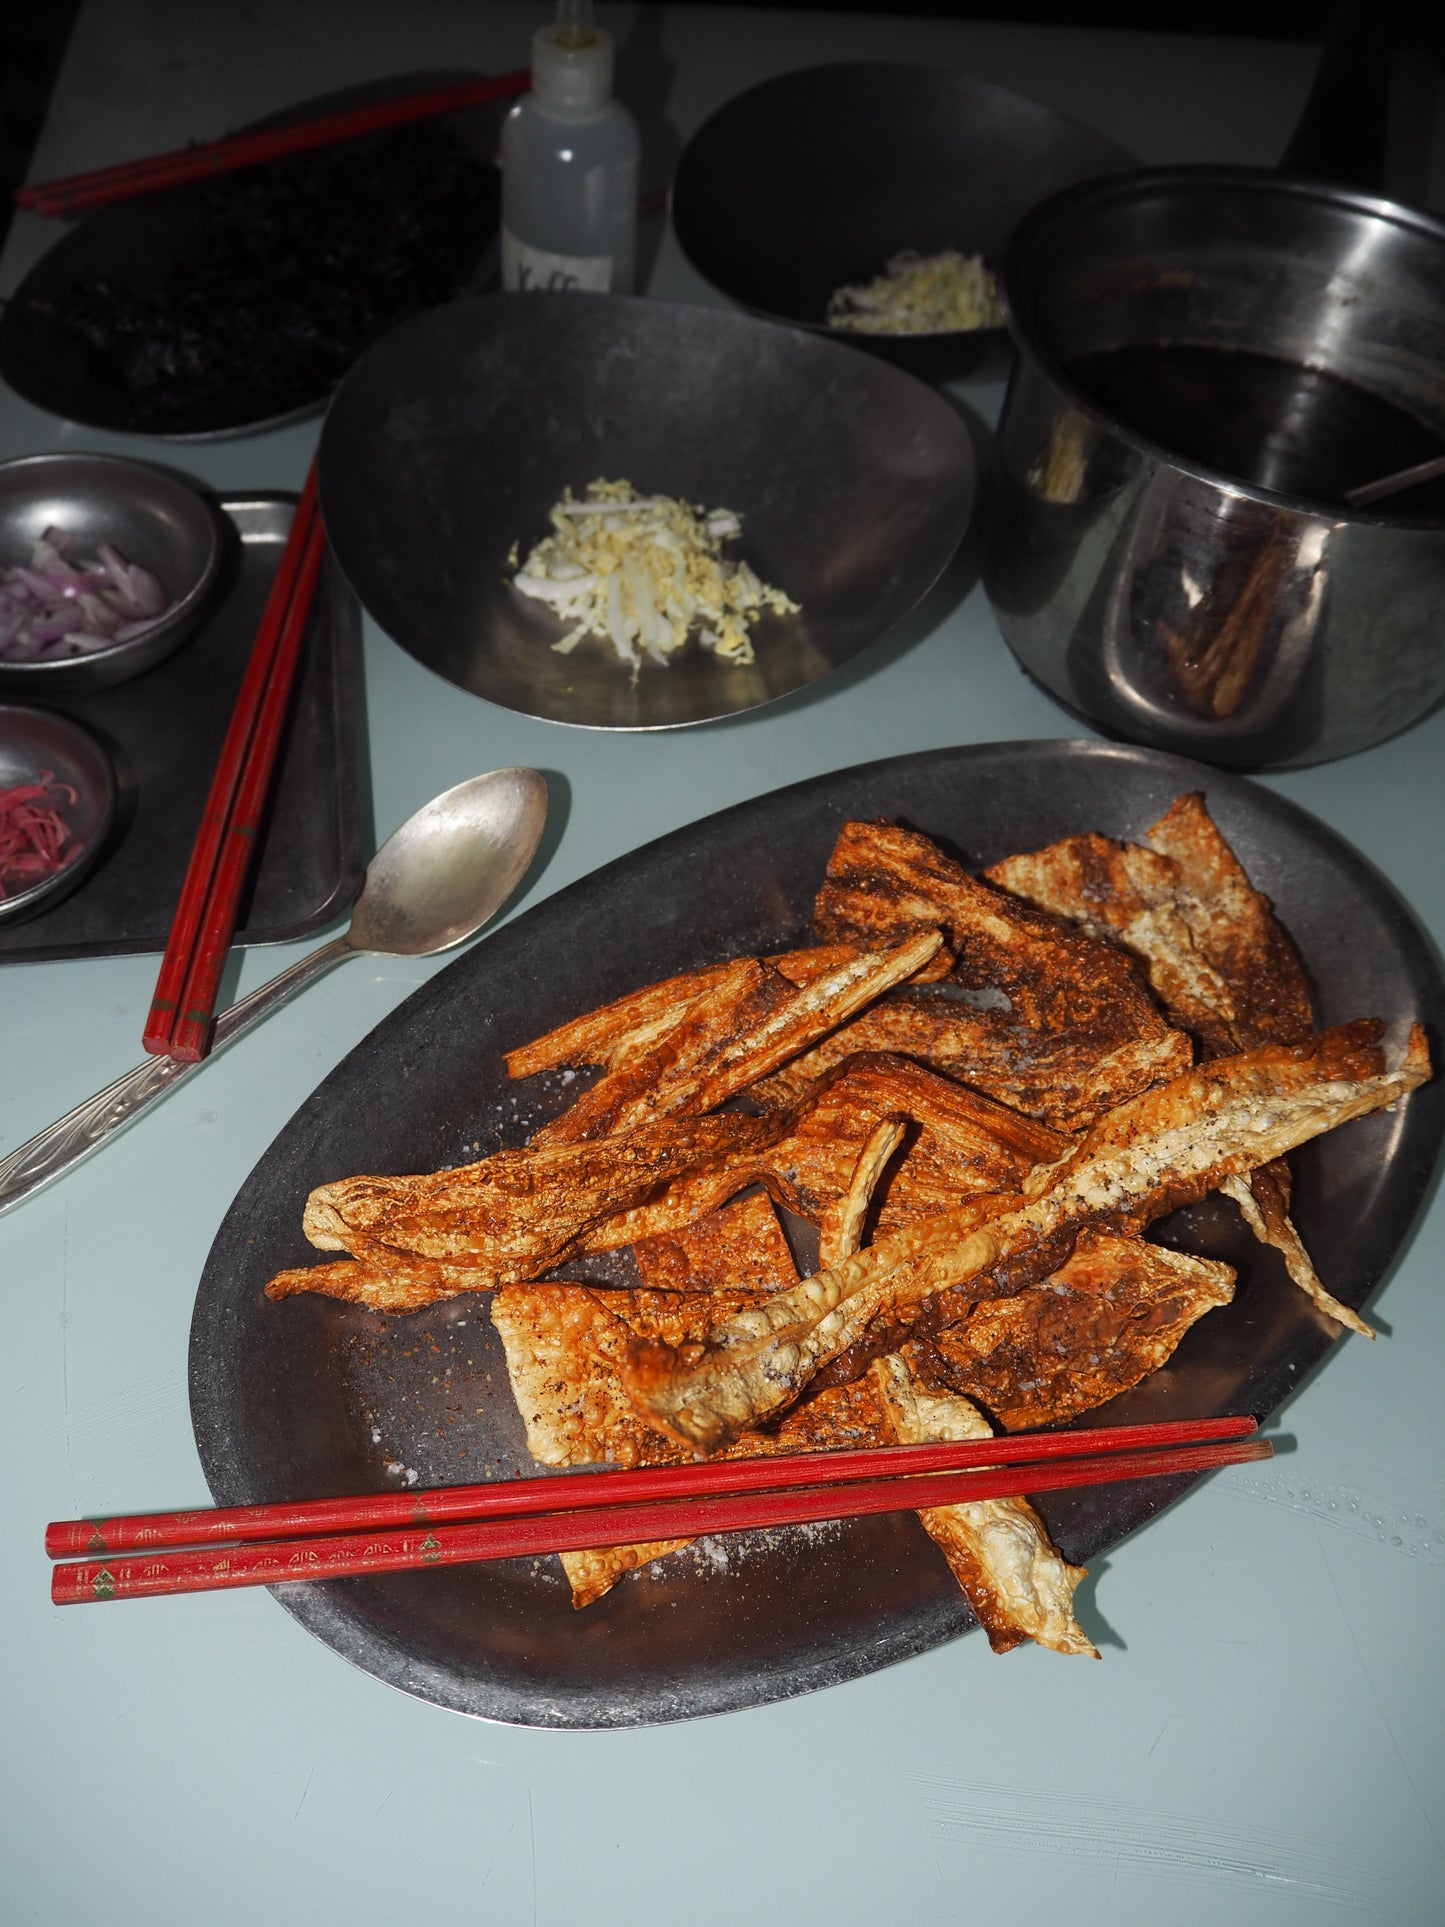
point(569, 166)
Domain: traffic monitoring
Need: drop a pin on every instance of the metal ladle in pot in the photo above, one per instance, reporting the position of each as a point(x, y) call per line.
point(431, 885)
point(1395, 484)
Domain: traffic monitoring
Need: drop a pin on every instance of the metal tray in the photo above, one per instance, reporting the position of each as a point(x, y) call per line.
point(163, 733)
point(309, 1397)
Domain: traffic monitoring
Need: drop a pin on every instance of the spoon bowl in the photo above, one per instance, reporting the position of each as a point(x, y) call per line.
point(451, 866)
point(430, 886)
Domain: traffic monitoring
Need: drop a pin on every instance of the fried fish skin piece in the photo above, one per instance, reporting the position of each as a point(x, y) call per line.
point(1167, 1147)
point(1038, 1014)
point(1164, 908)
point(1234, 927)
point(1064, 1081)
point(615, 1034)
point(960, 1141)
point(564, 1344)
point(999, 1550)
point(565, 1341)
point(1122, 892)
point(753, 1021)
point(841, 1233)
point(1218, 957)
point(881, 878)
point(512, 1215)
point(742, 997)
point(1107, 1318)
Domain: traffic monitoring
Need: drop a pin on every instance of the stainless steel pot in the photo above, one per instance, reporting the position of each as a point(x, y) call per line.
point(1207, 359)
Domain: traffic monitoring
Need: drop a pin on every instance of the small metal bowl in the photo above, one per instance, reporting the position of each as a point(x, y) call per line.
point(35, 744)
point(149, 515)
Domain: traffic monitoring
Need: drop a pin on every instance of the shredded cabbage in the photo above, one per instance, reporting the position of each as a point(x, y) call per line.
point(920, 294)
point(645, 571)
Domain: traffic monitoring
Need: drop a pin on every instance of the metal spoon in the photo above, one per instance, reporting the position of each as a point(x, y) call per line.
point(432, 884)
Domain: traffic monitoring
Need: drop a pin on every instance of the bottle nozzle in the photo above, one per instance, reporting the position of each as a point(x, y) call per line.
point(574, 28)
point(572, 61)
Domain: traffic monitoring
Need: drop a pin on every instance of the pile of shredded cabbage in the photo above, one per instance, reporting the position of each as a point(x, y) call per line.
point(921, 294)
point(644, 572)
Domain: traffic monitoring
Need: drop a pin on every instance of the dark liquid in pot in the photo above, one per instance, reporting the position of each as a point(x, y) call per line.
point(1271, 422)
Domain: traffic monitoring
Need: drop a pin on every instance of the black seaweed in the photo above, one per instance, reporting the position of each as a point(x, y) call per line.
point(288, 273)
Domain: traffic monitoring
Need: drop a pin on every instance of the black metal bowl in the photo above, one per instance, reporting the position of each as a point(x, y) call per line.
point(150, 516)
point(451, 440)
point(813, 181)
point(133, 251)
point(36, 746)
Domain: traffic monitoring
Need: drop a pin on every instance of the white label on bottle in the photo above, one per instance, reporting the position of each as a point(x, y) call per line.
point(528, 268)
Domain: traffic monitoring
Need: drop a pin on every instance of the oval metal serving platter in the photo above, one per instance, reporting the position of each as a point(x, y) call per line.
point(139, 242)
point(309, 1397)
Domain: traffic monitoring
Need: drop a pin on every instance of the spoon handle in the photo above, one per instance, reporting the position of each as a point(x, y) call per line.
point(53, 1151)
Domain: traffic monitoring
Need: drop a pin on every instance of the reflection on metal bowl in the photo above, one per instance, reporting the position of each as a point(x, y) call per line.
point(1208, 360)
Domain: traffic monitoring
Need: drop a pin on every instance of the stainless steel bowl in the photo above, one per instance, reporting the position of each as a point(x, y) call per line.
point(149, 515)
point(1207, 359)
point(35, 745)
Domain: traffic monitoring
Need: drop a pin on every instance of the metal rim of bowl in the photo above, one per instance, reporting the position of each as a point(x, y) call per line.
point(62, 881)
point(188, 606)
point(1031, 234)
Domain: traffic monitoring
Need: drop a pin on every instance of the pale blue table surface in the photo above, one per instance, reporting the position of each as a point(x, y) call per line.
point(1263, 1739)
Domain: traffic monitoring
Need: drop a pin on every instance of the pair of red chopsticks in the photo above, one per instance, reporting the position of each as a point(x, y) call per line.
point(175, 1552)
point(183, 1006)
point(75, 193)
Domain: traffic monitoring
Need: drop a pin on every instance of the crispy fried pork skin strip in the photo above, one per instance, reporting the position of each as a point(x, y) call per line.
point(747, 1026)
point(1165, 1148)
point(841, 1232)
point(1101, 1323)
point(517, 1213)
point(616, 1033)
point(1064, 1081)
point(998, 1550)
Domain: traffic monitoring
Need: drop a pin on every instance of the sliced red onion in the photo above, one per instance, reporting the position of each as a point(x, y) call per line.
point(51, 608)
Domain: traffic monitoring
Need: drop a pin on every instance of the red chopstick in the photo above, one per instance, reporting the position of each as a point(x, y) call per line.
point(178, 1022)
point(97, 186)
point(576, 1491)
point(717, 1498)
